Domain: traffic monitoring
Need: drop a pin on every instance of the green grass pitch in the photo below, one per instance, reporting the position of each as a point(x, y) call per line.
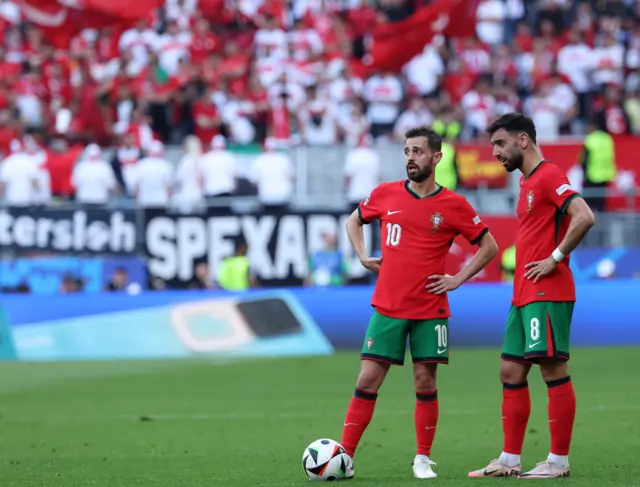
point(196, 423)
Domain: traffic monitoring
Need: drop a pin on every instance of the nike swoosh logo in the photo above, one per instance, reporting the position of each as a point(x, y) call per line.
point(351, 424)
point(430, 427)
point(393, 212)
point(440, 352)
point(531, 345)
point(489, 473)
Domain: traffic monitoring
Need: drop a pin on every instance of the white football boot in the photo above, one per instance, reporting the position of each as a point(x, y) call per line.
point(422, 467)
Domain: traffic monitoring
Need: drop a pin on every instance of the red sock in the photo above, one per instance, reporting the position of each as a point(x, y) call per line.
point(516, 407)
point(562, 413)
point(358, 417)
point(426, 420)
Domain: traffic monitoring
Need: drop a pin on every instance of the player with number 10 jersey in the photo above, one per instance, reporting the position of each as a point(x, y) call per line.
point(416, 236)
point(419, 221)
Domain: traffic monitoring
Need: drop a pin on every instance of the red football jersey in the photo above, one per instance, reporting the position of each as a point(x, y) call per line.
point(416, 236)
point(542, 224)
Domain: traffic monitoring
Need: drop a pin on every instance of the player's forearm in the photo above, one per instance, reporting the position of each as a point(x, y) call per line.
point(485, 254)
point(578, 228)
point(356, 235)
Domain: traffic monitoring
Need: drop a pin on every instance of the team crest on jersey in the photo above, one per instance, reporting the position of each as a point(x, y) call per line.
point(437, 219)
point(530, 201)
point(369, 343)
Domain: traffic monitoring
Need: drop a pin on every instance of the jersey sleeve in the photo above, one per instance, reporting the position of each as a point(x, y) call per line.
point(370, 209)
point(468, 223)
point(559, 190)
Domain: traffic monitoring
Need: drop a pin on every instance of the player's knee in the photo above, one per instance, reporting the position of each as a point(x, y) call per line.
point(371, 376)
point(513, 372)
point(552, 369)
point(424, 377)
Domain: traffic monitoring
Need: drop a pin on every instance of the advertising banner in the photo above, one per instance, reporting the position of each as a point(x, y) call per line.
point(277, 323)
point(477, 166)
point(279, 245)
point(260, 324)
point(67, 231)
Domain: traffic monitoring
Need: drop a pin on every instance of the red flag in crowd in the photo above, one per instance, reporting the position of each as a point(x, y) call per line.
point(61, 20)
point(396, 43)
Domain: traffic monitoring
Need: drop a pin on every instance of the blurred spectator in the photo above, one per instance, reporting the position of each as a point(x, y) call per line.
point(19, 177)
point(126, 160)
point(42, 191)
point(234, 273)
point(490, 17)
point(71, 285)
point(384, 94)
point(202, 277)
point(416, 115)
point(153, 178)
point(599, 165)
point(361, 171)
point(188, 195)
point(119, 280)
point(425, 71)
point(447, 174)
point(317, 119)
point(93, 178)
point(218, 168)
point(508, 263)
point(327, 266)
point(273, 173)
point(479, 105)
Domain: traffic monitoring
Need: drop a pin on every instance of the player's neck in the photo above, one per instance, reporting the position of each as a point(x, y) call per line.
point(530, 162)
point(425, 188)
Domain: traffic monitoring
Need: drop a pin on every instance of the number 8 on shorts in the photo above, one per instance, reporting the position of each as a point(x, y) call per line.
point(539, 329)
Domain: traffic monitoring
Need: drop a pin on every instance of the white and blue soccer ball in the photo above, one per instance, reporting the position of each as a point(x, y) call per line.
point(327, 460)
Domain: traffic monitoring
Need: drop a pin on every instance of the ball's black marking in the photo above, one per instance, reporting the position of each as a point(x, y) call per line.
point(304, 465)
point(314, 454)
point(343, 466)
point(325, 442)
point(318, 469)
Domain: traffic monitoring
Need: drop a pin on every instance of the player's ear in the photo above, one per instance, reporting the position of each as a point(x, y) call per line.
point(437, 157)
point(524, 141)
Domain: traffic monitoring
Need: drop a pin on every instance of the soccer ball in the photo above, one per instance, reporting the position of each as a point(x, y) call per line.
point(326, 460)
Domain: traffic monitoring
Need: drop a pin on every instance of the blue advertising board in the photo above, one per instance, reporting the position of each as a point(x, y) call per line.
point(285, 322)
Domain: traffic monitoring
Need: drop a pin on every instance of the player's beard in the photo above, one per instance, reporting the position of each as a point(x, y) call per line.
point(421, 174)
point(514, 162)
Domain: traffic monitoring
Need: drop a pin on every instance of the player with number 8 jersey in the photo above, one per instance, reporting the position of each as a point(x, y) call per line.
point(552, 221)
point(419, 221)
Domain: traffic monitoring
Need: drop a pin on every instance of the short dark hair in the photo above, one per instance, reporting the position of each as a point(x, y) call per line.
point(512, 123)
point(434, 141)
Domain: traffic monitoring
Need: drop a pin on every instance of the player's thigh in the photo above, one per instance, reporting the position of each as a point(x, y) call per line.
point(514, 341)
point(430, 341)
point(385, 339)
point(548, 329)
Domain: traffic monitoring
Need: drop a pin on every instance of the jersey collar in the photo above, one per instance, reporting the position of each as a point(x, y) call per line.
point(534, 169)
point(416, 195)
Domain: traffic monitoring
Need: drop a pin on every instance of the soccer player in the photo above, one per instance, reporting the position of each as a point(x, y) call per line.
point(552, 221)
point(419, 220)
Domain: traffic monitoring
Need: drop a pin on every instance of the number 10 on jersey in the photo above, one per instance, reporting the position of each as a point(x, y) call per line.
point(394, 232)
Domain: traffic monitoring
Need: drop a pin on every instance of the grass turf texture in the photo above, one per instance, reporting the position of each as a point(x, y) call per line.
point(201, 423)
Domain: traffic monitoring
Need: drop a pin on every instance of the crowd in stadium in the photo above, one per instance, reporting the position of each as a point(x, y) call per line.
point(254, 68)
